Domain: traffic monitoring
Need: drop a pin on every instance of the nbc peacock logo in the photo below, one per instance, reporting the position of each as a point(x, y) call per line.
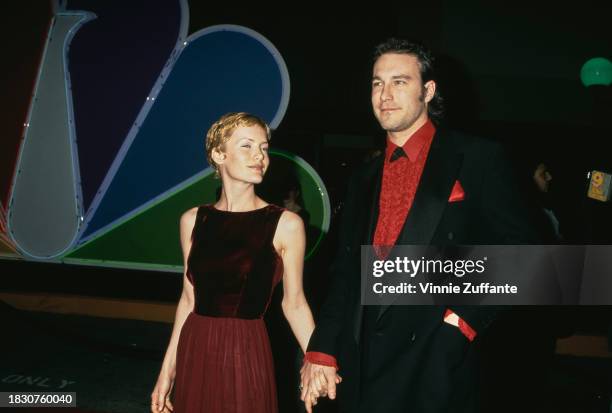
point(111, 149)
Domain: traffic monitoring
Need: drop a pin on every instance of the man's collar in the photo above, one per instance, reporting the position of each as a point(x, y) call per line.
point(415, 143)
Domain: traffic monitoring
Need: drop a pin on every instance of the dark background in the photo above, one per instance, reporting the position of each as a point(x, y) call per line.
point(508, 71)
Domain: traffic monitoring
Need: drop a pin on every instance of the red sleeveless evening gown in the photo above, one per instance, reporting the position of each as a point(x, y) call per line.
point(224, 361)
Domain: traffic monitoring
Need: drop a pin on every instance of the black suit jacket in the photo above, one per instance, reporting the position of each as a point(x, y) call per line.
point(415, 361)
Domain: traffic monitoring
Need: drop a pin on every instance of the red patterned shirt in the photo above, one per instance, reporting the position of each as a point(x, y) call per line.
point(400, 181)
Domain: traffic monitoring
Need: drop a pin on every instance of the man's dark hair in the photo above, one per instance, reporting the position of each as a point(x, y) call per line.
point(426, 61)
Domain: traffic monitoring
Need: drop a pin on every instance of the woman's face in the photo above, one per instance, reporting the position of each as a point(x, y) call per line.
point(245, 156)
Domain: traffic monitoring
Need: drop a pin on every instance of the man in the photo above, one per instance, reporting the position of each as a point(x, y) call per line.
point(428, 187)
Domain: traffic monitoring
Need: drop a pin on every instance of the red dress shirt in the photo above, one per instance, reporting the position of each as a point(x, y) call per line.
point(399, 184)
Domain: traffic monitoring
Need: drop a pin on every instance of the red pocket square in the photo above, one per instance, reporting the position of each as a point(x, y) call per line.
point(464, 327)
point(457, 194)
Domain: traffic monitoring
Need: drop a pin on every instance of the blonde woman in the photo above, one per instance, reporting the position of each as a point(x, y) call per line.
point(235, 252)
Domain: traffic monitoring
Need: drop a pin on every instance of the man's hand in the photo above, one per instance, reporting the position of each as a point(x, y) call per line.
point(317, 381)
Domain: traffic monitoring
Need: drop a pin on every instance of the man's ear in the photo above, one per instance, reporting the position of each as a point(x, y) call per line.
point(430, 90)
point(218, 156)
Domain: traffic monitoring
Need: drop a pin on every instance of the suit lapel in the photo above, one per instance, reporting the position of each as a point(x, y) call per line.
point(371, 185)
point(372, 198)
point(439, 175)
point(431, 198)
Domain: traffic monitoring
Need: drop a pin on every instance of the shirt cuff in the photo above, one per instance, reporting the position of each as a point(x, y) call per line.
point(464, 327)
point(321, 358)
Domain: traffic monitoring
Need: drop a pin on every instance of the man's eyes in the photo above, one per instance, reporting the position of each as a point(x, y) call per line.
point(397, 82)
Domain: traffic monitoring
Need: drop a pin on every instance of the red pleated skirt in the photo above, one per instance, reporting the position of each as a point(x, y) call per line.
point(224, 365)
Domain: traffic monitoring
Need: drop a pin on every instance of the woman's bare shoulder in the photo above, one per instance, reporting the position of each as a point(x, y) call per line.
point(290, 223)
point(188, 217)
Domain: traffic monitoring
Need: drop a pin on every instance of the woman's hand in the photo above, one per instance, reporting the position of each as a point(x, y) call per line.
point(160, 398)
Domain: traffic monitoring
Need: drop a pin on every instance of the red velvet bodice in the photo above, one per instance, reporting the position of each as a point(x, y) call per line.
point(232, 264)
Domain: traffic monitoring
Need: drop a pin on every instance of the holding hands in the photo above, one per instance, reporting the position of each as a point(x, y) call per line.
point(317, 381)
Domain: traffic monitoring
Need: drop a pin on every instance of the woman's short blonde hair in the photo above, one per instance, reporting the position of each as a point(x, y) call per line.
point(220, 131)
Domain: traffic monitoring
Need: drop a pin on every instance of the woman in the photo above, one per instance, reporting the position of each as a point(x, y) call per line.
point(235, 252)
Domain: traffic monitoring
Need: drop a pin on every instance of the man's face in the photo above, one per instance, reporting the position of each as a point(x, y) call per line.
point(399, 98)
